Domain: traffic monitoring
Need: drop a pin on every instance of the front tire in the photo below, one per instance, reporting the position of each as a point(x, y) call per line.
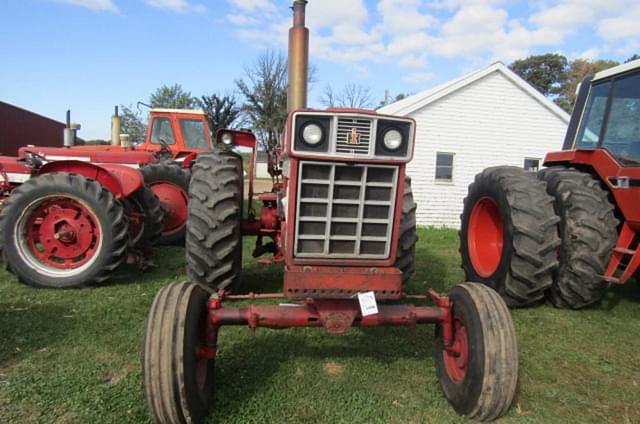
point(479, 376)
point(406, 256)
point(63, 230)
point(214, 237)
point(588, 232)
point(508, 235)
point(178, 385)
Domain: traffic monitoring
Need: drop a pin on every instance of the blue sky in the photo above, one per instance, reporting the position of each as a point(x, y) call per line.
point(89, 55)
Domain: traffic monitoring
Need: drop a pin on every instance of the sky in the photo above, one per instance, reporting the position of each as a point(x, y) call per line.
point(90, 55)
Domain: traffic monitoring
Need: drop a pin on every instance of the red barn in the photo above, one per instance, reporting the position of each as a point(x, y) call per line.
point(19, 127)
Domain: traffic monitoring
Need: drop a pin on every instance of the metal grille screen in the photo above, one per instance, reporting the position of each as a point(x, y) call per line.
point(353, 135)
point(345, 211)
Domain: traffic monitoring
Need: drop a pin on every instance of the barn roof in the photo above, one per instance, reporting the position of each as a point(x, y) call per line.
point(417, 101)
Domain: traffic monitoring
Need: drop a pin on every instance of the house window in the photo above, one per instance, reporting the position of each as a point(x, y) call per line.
point(444, 166)
point(531, 164)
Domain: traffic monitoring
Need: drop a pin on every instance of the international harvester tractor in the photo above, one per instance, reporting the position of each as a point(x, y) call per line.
point(570, 230)
point(341, 218)
point(69, 223)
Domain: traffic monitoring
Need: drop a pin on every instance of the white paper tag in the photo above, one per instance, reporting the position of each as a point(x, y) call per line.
point(368, 305)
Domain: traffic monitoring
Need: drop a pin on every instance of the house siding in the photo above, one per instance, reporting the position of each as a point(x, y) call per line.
point(489, 122)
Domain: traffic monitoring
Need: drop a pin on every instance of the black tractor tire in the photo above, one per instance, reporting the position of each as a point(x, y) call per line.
point(480, 385)
point(588, 230)
point(174, 329)
point(521, 270)
point(160, 173)
point(148, 232)
point(99, 209)
point(214, 238)
point(406, 256)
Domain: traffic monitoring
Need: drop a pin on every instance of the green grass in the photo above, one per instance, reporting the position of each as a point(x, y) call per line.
point(73, 356)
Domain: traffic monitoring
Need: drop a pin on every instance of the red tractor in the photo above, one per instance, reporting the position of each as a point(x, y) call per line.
point(69, 223)
point(341, 218)
point(570, 230)
point(175, 137)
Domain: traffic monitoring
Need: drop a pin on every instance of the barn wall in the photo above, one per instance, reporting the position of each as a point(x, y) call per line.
point(19, 127)
point(490, 122)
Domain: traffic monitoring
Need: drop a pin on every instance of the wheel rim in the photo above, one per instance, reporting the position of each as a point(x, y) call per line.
point(457, 355)
point(58, 235)
point(174, 202)
point(485, 237)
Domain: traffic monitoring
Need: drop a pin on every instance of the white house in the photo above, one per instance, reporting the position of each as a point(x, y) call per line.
point(485, 118)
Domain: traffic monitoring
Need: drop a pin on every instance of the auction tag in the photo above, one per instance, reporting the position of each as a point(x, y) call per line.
point(368, 304)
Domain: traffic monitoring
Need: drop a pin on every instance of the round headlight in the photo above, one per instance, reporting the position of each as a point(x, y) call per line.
point(227, 139)
point(392, 139)
point(312, 134)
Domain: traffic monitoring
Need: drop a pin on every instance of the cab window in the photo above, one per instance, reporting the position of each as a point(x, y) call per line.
point(193, 132)
point(593, 118)
point(161, 129)
point(622, 132)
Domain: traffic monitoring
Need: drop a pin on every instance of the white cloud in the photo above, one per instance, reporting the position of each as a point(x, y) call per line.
point(241, 20)
point(419, 77)
point(254, 5)
point(95, 5)
point(180, 6)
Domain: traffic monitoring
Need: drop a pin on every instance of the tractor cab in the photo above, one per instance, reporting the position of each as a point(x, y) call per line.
point(178, 131)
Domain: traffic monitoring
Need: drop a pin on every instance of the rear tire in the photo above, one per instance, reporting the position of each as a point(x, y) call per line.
point(63, 230)
point(508, 236)
point(178, 385)
point(214, 238)
point(480, 382)
point(588, 229)
point(171, 184)
point(406, 256)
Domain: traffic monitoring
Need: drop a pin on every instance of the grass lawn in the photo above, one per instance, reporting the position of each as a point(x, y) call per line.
point(73, 356)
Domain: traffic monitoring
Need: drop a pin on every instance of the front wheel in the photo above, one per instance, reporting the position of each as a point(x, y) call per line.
point(478, 372)
point(178, 381)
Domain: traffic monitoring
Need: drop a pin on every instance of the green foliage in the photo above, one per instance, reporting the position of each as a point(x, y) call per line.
point(174, 97)
point(636, 56)
point(222, 111)
point(73, 356)
point(265, 97)
point(545, 72)
point(132, 123)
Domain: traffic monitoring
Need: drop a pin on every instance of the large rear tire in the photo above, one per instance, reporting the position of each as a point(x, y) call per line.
point(178, 384)
point(479, 373)
point(214, 237)
point(508, 235)
point(146, 219)
point(63, 230)
point(406, 256)
point(171, 184)
point(588, 233)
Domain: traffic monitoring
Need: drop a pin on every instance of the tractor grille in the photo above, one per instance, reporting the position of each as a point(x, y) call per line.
point(353, 135)
point(345, 211)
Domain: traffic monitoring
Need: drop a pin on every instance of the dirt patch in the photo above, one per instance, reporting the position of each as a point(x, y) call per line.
point(333, 368)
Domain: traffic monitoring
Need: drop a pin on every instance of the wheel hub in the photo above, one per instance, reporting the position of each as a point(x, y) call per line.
point(62, 233)
point(485, 237)
point(456, 356)
point(174, 202)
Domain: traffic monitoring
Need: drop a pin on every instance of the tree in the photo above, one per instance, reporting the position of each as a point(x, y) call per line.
point(578, 70)
point(132, 123)
point(352, 96)
point(222, 111)
point(634, 57)
point(174, 97)
point(546, 72)
point(265, 97)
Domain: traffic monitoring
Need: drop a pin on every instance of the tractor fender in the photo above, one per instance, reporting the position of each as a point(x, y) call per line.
point(120, 180)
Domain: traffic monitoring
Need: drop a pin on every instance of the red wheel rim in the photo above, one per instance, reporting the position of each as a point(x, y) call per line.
point(174, 202)
point(485, 237)
point(457, 355)
point(58, 235)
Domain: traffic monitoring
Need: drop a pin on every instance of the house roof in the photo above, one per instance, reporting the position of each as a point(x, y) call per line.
point(418, 101)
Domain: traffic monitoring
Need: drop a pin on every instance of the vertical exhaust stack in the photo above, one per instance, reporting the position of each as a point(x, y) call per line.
point(115, 128)
point(298, 58)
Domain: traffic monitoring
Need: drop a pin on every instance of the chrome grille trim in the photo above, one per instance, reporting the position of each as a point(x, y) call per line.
point(363, 126)
point(316, 242)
